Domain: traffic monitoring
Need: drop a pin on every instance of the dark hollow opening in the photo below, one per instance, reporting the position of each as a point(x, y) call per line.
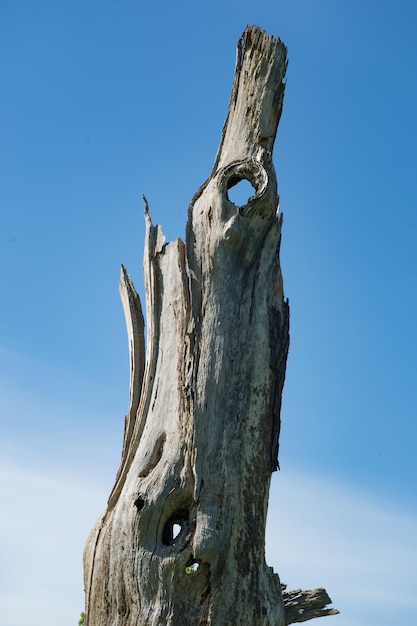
point(175, 527)
point(139, 503)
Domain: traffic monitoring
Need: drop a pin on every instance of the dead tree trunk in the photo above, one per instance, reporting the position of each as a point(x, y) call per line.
point(182, 539)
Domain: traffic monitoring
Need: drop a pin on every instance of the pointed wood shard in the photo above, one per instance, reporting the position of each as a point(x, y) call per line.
point(182, 541)
point(302, 606)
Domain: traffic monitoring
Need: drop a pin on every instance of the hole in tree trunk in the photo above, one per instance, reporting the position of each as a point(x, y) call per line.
point(239, 190)
point(139, 503)
point(175, 528)
point(192, 567)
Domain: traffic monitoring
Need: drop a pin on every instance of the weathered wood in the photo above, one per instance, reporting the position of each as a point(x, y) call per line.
point(302, 606)
point(182, 540)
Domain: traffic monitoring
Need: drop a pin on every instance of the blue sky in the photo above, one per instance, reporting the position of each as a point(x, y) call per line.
point(104, 101)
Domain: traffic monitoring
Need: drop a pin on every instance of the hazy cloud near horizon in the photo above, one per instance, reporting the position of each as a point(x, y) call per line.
point(324, 533)
point(320, 534)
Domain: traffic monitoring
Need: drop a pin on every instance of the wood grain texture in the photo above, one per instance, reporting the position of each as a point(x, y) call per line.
point(302, 606)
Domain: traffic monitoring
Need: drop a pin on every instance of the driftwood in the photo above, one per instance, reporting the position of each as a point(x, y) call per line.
point(182, 540)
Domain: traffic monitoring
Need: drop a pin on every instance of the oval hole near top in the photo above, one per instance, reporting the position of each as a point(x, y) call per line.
point(240, 191)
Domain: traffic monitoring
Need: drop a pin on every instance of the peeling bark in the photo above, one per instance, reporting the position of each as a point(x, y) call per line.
point(182, 540)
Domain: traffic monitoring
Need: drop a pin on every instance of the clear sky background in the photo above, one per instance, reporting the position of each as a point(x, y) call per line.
point(103, 101)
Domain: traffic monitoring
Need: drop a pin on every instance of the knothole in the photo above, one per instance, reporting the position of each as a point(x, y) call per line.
point(192, 568)
point(175, 528)
point(240, 190)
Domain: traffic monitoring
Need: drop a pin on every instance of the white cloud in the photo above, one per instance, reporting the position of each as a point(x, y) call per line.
point(325, 534)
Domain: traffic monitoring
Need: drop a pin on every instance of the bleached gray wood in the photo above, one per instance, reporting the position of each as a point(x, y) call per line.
point(302, 606)
point(182, 540)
